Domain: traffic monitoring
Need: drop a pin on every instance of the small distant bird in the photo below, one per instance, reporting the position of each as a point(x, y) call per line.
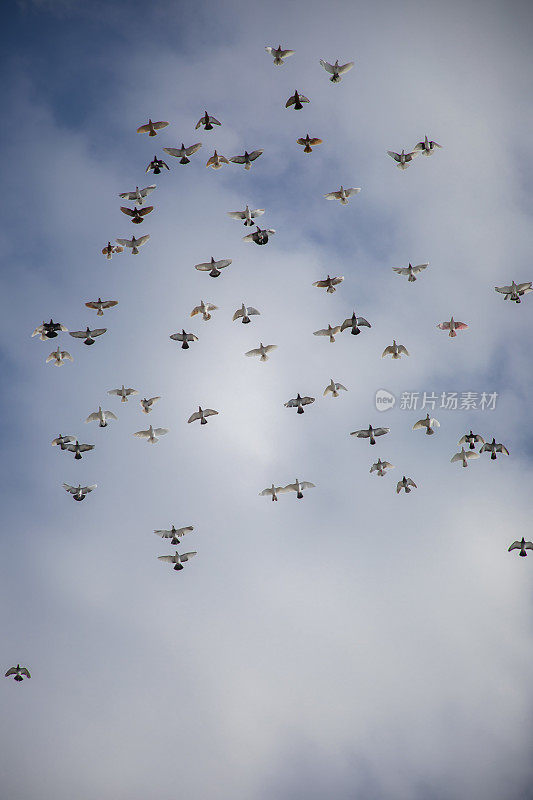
point(395, 350)
point(207, 121)
point(204, 309)
point(522, 545)
point(471, 439)
point(152, 434)
point(336, 69)
point(78, 449)
point(146, 404)
point(156, 165)
point(259, 236)
point(452, 326)
point(79, 492)
point(406, 484)
point(137, 214)
point(175, 534)
point(182, 152)
point(177, 559)
point(123, 393)
point(464, 456)
point(355, 323)
point(370, 433)
point(88, 335)
point(184, 338)
point(296, 100)
point(262, 351)
point(101, 416)
point(247, 215)
point(402, 159)
point(298, 487)
point(247, 158)
point(342, 194)
point(381, 467)
point(49, 330)
point(308, 142)
point(273, 491)
point(201, 414)
point(410, 271)
point(515, 291)
point(109, 249)
point(216, 161)
point(213, 267)
point(134, 243)
point(331, 331)
point(63, 441)
point(244, 313)
point(139, 195)
point(494, 448)
point(299, 402)
point(428, 423)
point(329, 284)
point(59, 357)
point(279, 55)
point(20, 673)
point(426, 147)
point(333, 388)
point(99, 305)
point(151, 128)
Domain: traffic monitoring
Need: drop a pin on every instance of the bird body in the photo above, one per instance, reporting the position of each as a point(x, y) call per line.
point(355, 323)
point(493, 448)
point(428, 423)
point(342, 194)
point(146, 405)
point(247, 158)
point(298, 487)
point(213, 267)
point(49, 330)
point(247, 215)
point(381, 467)
point(183, 152)
point(18, 672)
point(464, 456)
point(88, 335)
point(152, 434)
point(207, 121)
point(471, 439)
point(79, 492)
point(272, 491)
point(109, 249)
point(99, 305)
point(156, 165)
point(63, 441)
point(78, 449)
point(296, 100)
point(174, 534)
point(123, 393)
point(177, 559)
point(299, 402)
point(204, 309)
point(259, 236)
point(134, 243)
point(151, 128)
point(102, 416)
point(515, 291)
point(395, 350)
point(331, 331)
point(244, 313)
point(522, 545)
point(308, 142)
point(184, 338)
point(279, 55)
point(201, 414)
point(333, 388)
point(402, 159)
point(137, 214)
point(370, 433)
point(262, 351)
point(216, 161)
point(405, 483)
point(452, 326)
point(59, 357)
point(336, 69)
point(138, 197)
point(329, 284)
point(410, 271)
point(427, 148)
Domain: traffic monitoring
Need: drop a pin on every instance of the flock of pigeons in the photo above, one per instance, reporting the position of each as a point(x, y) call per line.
point(50, 330)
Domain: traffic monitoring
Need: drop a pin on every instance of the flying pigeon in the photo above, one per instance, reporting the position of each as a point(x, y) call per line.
point(177, 559)
point(78, 449)
point(99, 305)
point(273, 491)
point(381, 467)
point(207, 121)
point(426, 147)
point(299, 402)
point(355, 323)
point(428, 423)
point(330, 331)
point(216, 161)
point(101, 416)
point(182, 152)
point(410, 271)
point(18, 672)
point(88, 335)
point(247, 215)
point(146, 404)
point(370, 433)
point(123, 393)
point(151, 128)
point(156, 165)
point(515, 291)
point(152, 434)
point(247, 158)
point(296, 100)
point(204, 309)
point(329, 284)
point(298, 487)
point(139, 195)
point(406, 484)
point(137, 214)
point(244, 313)
point(452, 326)
point(308, 142)
point(402, 159)
point(201, 414)
point(278, 54)
point(134, 243)
point(464, 456)
point(342, 194)
point(262, 351)
point(259, 236)
point(185, 338)
point(471, 439)
point(494, 448)
point(522, 545)
point(63, 441)
point(59, 357)
point(395, 350)
point(213, 267)
point(174, 534)
point(336, 69)
point(333, 388)
point(79, 492)
point(49, 330)
point(109, 249)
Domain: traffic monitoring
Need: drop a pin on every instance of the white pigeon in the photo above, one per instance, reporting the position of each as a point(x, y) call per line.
point(134, 243)
point(174, 534)
point(471, 439)
point(464, 456)
point(381, 467)
point(247, 158)
point(355, 323)
point(123, 393)
point(101, 416)
point(79, 492)
point(493, 448)
point(406, 484)
point(342, 195)
point(18, 672)
point(410, 271)
point(452, 326)
point(183, 152)
point(152, 434)
point(402, 159)
point(299, 402)
point(201, 414)
point(213, 267)
point(259, 236)
point(59, 357)
point(395, 350)
point(99, 305)
point(329, 284)
point(370, 433)
point(272, 491)
point(298, 487)
point(429, 423)
point(204, 309)
point(336, 69)
point(262, 351)
point(62, 441)
point(515, 291)
point(244, 313)
point(138, 196)
point(216, 161)
point(146, 404)
point(522, 545)
point(330, 331)
point(334, 388)
point(88, 335)
point(278, 54)
point(248, 215)
point(177, 559)
point(151, 128)
point(184, 338)
point(427, 148)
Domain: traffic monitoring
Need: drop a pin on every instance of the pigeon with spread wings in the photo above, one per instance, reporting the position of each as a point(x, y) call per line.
point(88, 335)
point(260, 236)
point(59, 357)
point(79, 492)
point(464, 456)
point(403, 159)
point(329, 284)
point(207, 121)
point(213, 267)
point(427, 148)
point(152, 434)
point(515, 291)
point(123, 393)
point(272, 492)
point(151, 128)
point(428, 423)
point(99, 305)
point(410, 271)
point(493, 448)
point(184, 338)
point(247, 215)
point(201, 414)
point(101, 417)
point(522, 545)
point(298, 487)
point(331, 331)
point(134, 243)
point(452, 326)
point(381, 467)
point(296, 100)
point(336, 69)
point(177, 559)
point(139, 195)
point(78, 449)
point(174, 534)
point(156, 165)
point(395, 350)
point(49, 330)
point(216, 161)
point(262, 351)
point(278, 54)
point(308, 142)
point(137, 214)
point(299, 402)
point(405, 483)
point(370, 433)
point(244, 313)
point(333, 388)
point(18, 672)
point(342, 194)
point(109, 249)
point(355, 323)
point(146, 404)
point(247, 158)
point(471, 439)
point(183, 152)
point(204, 309)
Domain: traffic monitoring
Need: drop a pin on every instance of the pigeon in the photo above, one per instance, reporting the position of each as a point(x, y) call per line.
point(278, 54)
point(402, 159)
point(329, 284)
point(247, 158)
point(381, 467)
point(79, 492)
point(515, 291)
point(201, 414)
point(471, 439)
point(355, 323)
point(410, 271)
point(308, 142)
point(213, 267)
point(184, 338)
point(244, 313)
point(78, 449)
point(298, 487)
point(152, 434)
point(330, 331)
point(101, 416)
point(370, 433)
point(428, 423)
point(336, 69)
point(452, 326)
point(123, 393)
point(426, 147)
point(247, 215)
point(178, 560)
point(406, 484)
point(342, 194)
point(204, 309)
point(99, 305)
point(259, 236)
point(151, 128)
point(156, 165)
point(134, 243)
point(395, 350)
point(88, 335)
point(273, 491)
point(182, 152)
point(522, 545)
point(137, 214)
point(296, 100)
point(464, 456)
point(174, 534)
point(59, 357)
point(494, 448)
point(262, 351)
point(216, 161)
point(139, 195)
point(207, 121)
point(63, 441)
point(299, 402)
point(49, 330)
point(109, 249)
point(333, 388)
point(146, 404)
point(19, 673)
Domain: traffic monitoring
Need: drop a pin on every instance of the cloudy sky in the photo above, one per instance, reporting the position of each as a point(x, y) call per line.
point(357, 643)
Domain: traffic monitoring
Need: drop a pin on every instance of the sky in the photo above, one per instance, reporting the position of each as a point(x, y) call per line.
point(356, 643)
